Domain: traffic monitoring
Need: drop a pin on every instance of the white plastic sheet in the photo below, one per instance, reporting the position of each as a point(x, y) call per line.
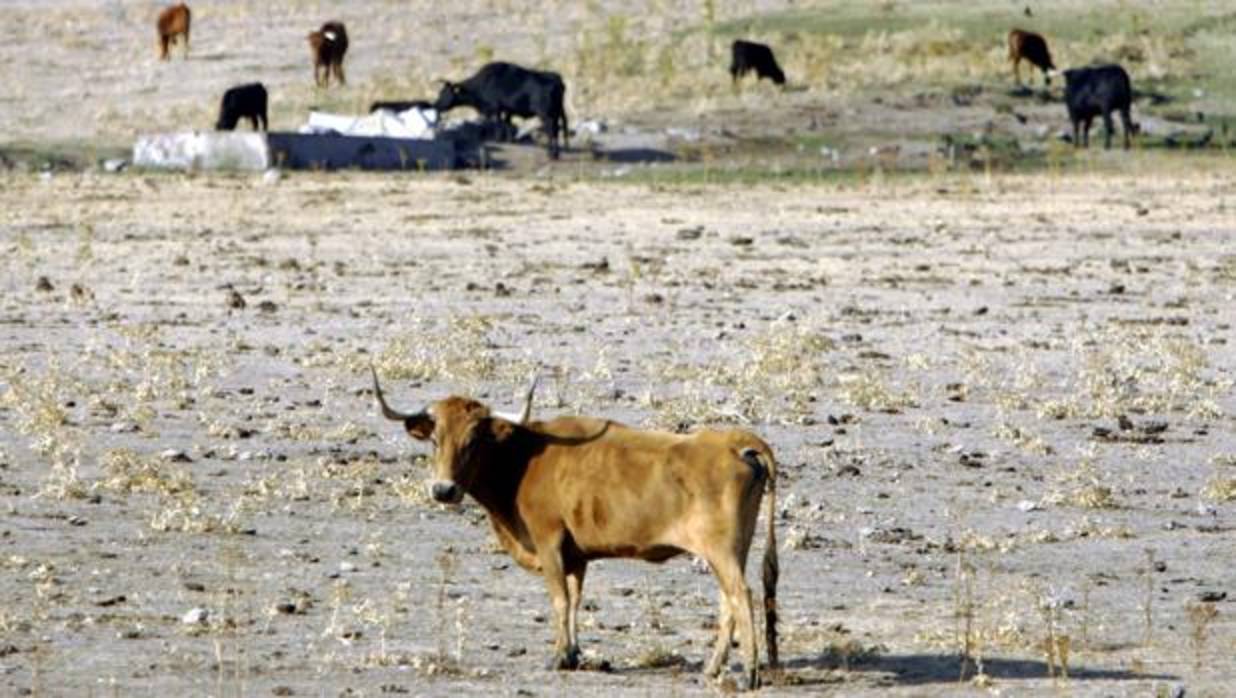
point(413, 123)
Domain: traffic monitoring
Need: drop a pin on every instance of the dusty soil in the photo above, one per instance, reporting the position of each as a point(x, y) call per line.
point(994, 431)
point(1002, 403)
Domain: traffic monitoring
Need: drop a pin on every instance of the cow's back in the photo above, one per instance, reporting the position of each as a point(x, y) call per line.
point(1098, 89)
point(623, 492)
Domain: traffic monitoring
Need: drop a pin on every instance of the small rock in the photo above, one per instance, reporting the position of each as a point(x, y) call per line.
point(115, 165)
point(1028, 506)
point(235, 301)
point(175, 456)
point(690, 233)
point(1212, 596)
point(346, 566)
point(195, 616)
point(742, 241)
point(44, 285)
point(267, 307)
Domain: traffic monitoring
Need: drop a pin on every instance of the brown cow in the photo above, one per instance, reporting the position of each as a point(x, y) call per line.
point(173, 21)
point(564, 492)
point(327, 46)
point(1033, 48)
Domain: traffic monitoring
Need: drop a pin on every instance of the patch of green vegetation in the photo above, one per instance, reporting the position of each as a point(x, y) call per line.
point(65, 155)
point(1181, 48)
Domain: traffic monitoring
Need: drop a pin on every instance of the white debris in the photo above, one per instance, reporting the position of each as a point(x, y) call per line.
point(1028, 506)
point(687, 134)
point(412, 123)
point(115, 164)
point(207, 150)
point(272, 176)
point(592, 126)
point(195, 616)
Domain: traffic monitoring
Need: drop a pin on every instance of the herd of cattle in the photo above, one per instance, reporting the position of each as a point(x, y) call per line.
point(564, 492)
point(500, 91)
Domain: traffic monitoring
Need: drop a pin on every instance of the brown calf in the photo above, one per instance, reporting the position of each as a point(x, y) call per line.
point(327, 46)
point(564, 492)
point(1030, 47)
point(173, 21)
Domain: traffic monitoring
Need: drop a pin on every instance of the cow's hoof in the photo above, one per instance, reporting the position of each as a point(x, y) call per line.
point(748, 681)
point(565, 661)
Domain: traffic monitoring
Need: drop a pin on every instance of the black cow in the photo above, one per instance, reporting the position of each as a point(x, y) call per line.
point(248, 101)
point(500, 91)
point(1098, 91)
point(400, 106)
point(747, 56)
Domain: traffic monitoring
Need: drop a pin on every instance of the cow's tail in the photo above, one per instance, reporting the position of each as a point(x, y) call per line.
point(771, 569)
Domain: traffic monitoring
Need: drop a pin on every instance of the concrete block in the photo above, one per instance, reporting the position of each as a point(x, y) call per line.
point(202, 150)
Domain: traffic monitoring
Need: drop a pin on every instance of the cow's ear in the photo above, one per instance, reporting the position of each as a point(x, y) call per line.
point(501, 429)
point(419, 426)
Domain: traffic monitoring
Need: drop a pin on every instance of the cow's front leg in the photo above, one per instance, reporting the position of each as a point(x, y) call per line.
point(575, 589)
point(566, 655)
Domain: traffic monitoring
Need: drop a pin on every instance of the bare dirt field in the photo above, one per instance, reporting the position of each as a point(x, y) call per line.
point(998, 374)
point(990, 434)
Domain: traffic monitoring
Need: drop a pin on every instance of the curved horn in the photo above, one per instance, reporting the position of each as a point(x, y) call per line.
point(526, 412)
point(387, 410)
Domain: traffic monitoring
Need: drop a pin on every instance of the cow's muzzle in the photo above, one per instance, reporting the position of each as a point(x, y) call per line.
point(445, 491)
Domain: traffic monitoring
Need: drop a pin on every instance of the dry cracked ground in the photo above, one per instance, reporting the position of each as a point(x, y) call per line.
point(1002, 407)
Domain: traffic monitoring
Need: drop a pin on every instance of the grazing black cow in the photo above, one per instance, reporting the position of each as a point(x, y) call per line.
point(1024, 45)
point(400, 106)
point(247, 101)
point(500, 91)
point(1098, 91)
point(747, 56)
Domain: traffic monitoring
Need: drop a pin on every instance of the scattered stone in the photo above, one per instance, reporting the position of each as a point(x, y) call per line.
point(111, 601)
point(346, 566)
point(195, 616)
point(115, 165)
point(267, 307)
point(742, 241)
point(175, 456)
point(1028, 506)
point(1212, 596)
point(44, 285)
point(693, 233)
point(235, 301)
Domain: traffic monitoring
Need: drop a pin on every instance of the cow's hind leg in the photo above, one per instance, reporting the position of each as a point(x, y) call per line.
point(575, 570)
point(725, 635)
point(733, 584)
point(1127, 122)
point(1108, 128)
point(339, 73)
